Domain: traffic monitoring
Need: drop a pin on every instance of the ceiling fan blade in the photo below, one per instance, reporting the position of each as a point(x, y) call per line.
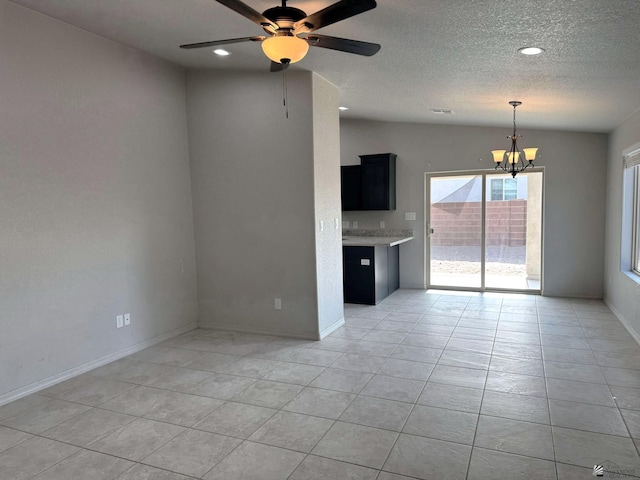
point(334, 13)
point(222, 42)
point(248, 12)
point(278, 67)
point(343, 44)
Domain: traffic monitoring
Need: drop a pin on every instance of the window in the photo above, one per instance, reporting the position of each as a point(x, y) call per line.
point(630, 261)
point(504, 189)
point(635, 224)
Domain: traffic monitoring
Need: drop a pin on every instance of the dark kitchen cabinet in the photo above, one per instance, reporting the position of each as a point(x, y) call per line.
point(371, 185)
point(370, 274)
point(350, 187)
point(378, 176)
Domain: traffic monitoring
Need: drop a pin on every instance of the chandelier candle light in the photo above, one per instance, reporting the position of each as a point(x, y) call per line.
point(512, 160)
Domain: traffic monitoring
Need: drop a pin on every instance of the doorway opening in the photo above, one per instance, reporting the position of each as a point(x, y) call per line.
point(484, 231)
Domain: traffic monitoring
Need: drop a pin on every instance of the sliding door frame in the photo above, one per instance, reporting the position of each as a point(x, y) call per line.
point(484, 174)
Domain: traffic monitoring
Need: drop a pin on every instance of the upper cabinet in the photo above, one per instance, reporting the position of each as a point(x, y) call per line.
point(378, 174)
point(371, 185)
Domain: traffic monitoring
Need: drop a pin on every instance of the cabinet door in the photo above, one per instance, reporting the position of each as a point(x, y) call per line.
point(378, 174)
point(358, 275)
point(350, 184)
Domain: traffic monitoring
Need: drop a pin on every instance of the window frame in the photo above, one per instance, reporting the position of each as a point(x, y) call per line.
point(630, 228)
point(635, 225)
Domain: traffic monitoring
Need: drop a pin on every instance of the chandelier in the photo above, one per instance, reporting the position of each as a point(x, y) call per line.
point(513, 161)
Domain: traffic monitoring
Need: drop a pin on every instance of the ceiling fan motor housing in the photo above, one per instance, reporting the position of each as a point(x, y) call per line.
point(284, 17)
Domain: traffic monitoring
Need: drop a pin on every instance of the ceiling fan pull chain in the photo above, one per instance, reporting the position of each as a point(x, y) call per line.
point(285, 93)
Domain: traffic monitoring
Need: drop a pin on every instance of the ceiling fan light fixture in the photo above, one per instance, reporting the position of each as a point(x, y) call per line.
point(285, 47)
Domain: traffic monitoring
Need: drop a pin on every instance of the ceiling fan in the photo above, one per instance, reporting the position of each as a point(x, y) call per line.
point(290, 30)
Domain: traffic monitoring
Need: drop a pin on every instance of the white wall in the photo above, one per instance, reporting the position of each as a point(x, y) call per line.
point(254, 177)
point(575, 171)
point(95, 200)
point(622, 293)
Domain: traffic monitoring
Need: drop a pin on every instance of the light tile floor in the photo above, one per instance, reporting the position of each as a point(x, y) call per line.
point(426, 385)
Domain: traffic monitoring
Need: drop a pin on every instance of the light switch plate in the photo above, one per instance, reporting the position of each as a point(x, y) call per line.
point(409, 216)
point(345, 224)
point(365, 262)
point(355, 224)
point(119, 321)
point(127, 319)
point(382, 224)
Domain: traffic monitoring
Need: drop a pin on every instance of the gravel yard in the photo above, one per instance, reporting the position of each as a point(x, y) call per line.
point(470, 268)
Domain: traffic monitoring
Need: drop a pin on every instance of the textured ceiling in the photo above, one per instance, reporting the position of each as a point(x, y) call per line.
point(459, 55)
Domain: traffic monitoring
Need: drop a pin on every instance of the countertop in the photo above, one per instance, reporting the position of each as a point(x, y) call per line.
point(372, 238)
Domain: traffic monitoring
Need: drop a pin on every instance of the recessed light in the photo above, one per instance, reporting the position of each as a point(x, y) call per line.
point(221, 52)
point(343, 108)
point(531, 50)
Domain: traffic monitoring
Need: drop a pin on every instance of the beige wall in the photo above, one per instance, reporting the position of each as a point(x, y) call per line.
point(95, 201)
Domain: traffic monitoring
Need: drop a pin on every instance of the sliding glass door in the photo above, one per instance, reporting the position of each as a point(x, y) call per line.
point(455, 231)
point(484, 231)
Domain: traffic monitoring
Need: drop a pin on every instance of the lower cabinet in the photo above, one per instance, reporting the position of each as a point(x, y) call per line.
point(370, 274)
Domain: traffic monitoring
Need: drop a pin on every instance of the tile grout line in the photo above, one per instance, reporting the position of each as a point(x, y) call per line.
point(484, 390)
point(412, 409)
point(546, 389)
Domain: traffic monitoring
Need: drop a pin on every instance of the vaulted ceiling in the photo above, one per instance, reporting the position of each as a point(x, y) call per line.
point(459, 55)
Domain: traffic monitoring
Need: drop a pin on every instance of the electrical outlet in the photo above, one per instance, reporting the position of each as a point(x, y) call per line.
point(277, 304)
point(119, 321)
point(409, 216)
point(382, 224)
point(127, 319)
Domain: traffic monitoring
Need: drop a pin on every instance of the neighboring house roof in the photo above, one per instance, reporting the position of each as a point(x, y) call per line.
point(471, 191)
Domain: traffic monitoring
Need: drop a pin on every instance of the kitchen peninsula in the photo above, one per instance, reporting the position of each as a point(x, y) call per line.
point(371, 264)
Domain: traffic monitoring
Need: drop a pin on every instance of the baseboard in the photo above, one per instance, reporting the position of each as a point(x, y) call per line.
point(577, 296)
point(259, 331)
point(332, 328)
point(85, 367)
point(624, 322)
